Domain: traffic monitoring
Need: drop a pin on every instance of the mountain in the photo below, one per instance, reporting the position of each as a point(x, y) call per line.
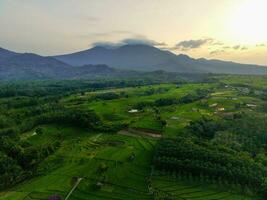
point(28, 66)
point(4, 54)
point(134, 57)
point(124, 61)
point(32, 60)
point(149, 58)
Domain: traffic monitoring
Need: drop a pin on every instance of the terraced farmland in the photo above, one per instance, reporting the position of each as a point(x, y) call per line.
point(119, 164)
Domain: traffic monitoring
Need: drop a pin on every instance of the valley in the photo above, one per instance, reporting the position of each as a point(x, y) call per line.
point(112, 140)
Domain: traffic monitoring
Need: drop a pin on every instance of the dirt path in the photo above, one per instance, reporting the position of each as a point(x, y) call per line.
point(139, 133)
point(73, 188)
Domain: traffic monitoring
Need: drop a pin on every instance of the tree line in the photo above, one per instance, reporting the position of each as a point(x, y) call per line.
point(189, 98)
point(202, 160)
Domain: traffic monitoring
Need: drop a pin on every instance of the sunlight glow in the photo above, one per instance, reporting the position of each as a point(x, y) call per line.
point(248, 22)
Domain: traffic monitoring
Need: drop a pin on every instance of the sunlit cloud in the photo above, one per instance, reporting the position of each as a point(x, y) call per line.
point(225, 49)
point(244, 48)
point(192, 44)
point(237, 47)
point(217, 52)
point(261, 45)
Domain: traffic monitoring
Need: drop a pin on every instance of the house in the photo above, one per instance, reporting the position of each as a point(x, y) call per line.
point(133, 111)
point(213, 105)
point(221, 109)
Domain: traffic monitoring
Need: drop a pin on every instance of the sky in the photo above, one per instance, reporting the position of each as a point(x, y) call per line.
point(215, 29)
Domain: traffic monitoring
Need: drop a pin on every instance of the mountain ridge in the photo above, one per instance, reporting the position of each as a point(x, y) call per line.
point(142, 58)
point(148, 58)
point(4, 54)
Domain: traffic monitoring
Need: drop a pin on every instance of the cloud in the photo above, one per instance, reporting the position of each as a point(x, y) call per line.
point(217, 52)
point(211, 43)
point(141, 40)
point(261, 45)
point(145, 41)
point(215, 47)
point(193, 44)
point(236, 48)
point(244, 48)
point(227, 47)
point(239, 47)
point(217, 43)
point(108, 45)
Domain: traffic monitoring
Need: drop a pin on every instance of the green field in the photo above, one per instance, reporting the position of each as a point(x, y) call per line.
point(126, 160)
point(81, 155)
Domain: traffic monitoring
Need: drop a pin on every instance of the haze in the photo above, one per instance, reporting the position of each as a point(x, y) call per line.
point(229, 30)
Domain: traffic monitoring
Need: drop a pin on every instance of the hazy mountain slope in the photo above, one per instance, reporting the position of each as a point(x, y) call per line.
point(125, 59)
point(139, 57)
point(218, 66)
point(27, 66)
point(32, 60)
point(5, 54)
point(148, 58)
point(32, 66)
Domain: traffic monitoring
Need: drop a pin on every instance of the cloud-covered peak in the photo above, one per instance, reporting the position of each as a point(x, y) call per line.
point(144, 41)
point(107, 45)
point(129, 41)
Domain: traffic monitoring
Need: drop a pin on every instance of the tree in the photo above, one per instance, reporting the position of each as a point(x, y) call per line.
point(204, 127)
point(39, 131)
